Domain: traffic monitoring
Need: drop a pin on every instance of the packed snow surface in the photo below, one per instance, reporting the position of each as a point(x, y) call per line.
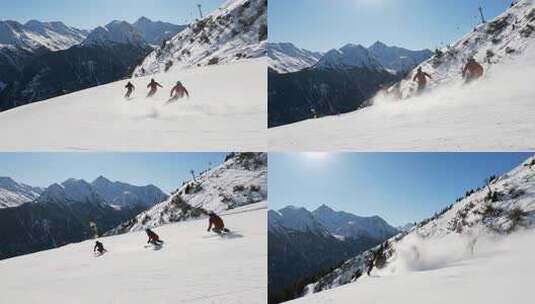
point(226, 112)
point(501, 271)
point(193, 266)
point(493, 114)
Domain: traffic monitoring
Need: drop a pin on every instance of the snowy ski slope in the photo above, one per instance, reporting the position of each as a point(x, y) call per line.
point(493, 114)
point(193, 266)
point(226, 112)
point(501, 273)
point(482, 241)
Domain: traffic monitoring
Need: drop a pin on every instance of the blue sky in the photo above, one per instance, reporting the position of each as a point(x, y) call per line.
point(165, 170)
point(400, 187)
point(321, 25)
point(89, 14)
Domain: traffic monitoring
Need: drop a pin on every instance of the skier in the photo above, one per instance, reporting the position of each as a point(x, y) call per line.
point(472, 70)
point(178, 91)
point(420, 78)
point(99, 247)
point(153, 85)
point(129, 89)
point(153, 238)
point(217, 222)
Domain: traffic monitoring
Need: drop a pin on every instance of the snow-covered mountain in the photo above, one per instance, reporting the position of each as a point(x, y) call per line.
point(396, 58)
point(285, 57)
point(497, 211)
point(235, 31)
point(115, 32)
point(155, 32)
point(304, 245)
point(230, 116)
point(241, 180)
point(34, 34)
point(349, 56)
point(71, 191)
point(493, 43)
point(325, 220)
point(14, 194)
point(295, 219)
point(352, 226)
point(123, 195)
point(192, 267)
point(102, 191)
point(68, 212)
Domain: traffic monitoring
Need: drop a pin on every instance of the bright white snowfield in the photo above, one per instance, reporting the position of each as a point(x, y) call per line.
point(226, 112)
point(193, 266)
point(503, 274)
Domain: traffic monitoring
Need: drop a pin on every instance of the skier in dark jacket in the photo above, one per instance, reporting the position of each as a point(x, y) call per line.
point(99, 247)
point(153, 237)
point(129, 89)
point(153, 85)
point(472, 70)
point(217, 222)
point(178, 91)
point(421, 78)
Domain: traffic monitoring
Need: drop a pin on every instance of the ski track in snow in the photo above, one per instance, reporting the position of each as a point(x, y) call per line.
point(501, 271)
point(223, 114)
point(494, 114)
point(189, 268)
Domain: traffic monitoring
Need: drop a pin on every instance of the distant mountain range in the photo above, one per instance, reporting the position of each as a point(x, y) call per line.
point(13, 194)
point(34, 219)
point(303, 84)
point(287, 58)
point(304, 244)
point(40, 60)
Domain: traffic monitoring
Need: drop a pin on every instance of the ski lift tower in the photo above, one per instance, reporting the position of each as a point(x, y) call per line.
point(481, 13)
point(200, 10)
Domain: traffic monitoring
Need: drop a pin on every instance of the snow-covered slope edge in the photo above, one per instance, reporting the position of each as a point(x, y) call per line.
point(241, 180)
point(508, 35)
point(500, 272)
point(235, 31)
point(192, 267)
point(503, 207)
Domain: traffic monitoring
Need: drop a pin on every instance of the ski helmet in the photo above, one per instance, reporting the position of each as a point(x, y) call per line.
point(178, 83)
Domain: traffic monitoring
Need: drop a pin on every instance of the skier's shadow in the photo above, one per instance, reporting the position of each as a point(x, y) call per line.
point(231, 235)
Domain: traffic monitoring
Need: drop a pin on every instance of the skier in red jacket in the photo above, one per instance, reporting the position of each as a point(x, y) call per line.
point(217, 222)
point(421, 79)
point(153, 237)
point(178, 91)
point(472, 70)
